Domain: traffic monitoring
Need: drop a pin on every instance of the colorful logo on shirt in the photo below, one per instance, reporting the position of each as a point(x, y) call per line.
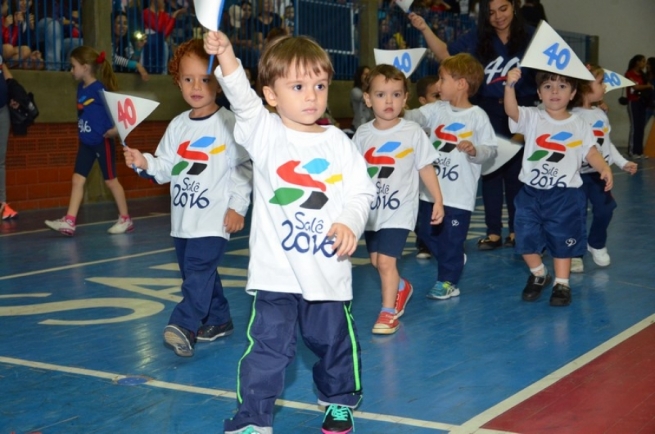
point(380, 162)
point(600, 130)
point(553, 148)
point(304, 179)
point(83, 102)
point(196, 155)
point(449, 135)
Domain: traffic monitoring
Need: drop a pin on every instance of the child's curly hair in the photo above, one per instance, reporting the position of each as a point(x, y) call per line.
point(193, 47)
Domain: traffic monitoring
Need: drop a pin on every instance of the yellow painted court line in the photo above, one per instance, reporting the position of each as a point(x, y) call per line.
point(110, 376)
point(472, 425)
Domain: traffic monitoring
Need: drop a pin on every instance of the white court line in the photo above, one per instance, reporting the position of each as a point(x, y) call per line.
point(473, 425)
point(228, 394)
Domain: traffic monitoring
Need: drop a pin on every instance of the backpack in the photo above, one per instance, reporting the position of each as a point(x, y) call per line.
point(23, 113)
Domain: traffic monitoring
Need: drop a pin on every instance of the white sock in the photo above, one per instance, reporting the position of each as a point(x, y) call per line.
point(564, 282)
point(539, 271)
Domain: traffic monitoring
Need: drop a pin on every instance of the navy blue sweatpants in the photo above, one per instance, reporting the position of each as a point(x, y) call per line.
point(602, 208)
point(328, 330)
point(203, 300)
point(446, 240)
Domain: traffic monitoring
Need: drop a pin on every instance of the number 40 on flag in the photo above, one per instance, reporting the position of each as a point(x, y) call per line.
point(128, 111)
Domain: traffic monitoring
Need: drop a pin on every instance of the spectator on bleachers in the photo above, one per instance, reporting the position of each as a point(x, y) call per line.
point(439, 6)
point(390, 37)
point(134, 12)
point(267, 19)
point(23, 36)
point(158, 25)
point(58, 31)
point(245, 39)
point(533, 12)
point(290, 19)
point(125, 57)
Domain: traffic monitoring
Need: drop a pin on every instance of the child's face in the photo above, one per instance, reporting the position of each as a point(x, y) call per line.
point(597, 90)
point(556, 94)
point(78, 70)
point(198, 88)
point(120, 26)
point(300, 98)
point(386, 97)
point(448, 87)
point(431, 94)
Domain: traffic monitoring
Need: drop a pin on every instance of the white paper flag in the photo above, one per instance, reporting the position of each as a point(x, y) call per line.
point(506, 150)
point(405, 60)
point(208, 12)
point(404, 4)
point(549, 52)
point(612, 80)
point(128, 111)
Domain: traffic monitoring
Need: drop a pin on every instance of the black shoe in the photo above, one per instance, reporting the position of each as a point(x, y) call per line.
point(181, 339)
point(209, 333)
point(338, 419)
point(535, 285)
point(561, 295)
point(488, 244)
point(510, 242)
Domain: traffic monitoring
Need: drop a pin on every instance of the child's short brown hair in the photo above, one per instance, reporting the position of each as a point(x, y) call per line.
point(389, 73)
point(544, 76)
point(423, 83)
point(464, 65)
point(284, 51)
point(584, 86)
point(192, 47)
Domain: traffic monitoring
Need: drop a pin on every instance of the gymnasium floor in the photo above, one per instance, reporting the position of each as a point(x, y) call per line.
point(81, 347)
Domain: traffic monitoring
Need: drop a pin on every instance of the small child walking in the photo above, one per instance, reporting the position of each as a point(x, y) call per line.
point(311, 202)
point(210, 177)
point(397, 153)
point(96, 136)
point(464, 138)
point(550, 208)
point(602, 202)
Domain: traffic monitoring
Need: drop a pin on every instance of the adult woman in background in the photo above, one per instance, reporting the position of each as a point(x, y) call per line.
point(637, 105)
point(499, 44)
point(361, 113)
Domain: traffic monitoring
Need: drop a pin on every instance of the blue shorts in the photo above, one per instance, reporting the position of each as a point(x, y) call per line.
point(389, 242)
point(553, 219)
point(105, 153)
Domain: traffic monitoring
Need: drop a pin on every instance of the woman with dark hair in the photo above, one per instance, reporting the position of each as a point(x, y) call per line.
point(637, 105)
point(361, 113)
point(500, 42)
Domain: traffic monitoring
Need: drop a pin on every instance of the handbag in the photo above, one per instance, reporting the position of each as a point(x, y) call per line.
point(623, 100)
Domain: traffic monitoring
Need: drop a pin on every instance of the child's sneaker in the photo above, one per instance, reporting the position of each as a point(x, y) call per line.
point(209, 333)
point(403, 297)
point(8, 212)
point(577, 266)
point(181, 339)
point(600, 256)
point(121, 226)
point(423, 253)
point(535, 285)
point(63, 225)
point(386, 324)
point(338, 420)
point(252, 429)
point(443, 291)
point(561, 295)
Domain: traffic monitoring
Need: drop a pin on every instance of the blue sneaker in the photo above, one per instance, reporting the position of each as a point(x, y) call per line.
point(443, 291)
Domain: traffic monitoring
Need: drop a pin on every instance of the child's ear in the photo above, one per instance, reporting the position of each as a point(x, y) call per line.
point(269, 95)
point(573, 94)
point(367, 100)
point(422, 100)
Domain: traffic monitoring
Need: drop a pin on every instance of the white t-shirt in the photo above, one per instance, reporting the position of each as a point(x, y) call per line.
point(303, 183)
point(457, 171)
point(207, 170)
point(600, 125)
point(554, 149)
point(394, 157)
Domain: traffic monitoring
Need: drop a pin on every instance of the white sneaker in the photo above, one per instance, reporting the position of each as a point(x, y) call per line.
point(577, 266)
point(121, 226)
point(61, 225)
point(252, 429)
point(600, 256)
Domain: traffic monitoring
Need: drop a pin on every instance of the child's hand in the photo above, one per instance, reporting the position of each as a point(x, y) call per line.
point(345, 242)
point(233, 221)
point(142, 72)
point(513, 77)
point(113, 132)
point(630, 167)
point(606, 175)
point(437, 214)
point(467, 146)
point(134, 158)
point(216, 42)
point(417, 21)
